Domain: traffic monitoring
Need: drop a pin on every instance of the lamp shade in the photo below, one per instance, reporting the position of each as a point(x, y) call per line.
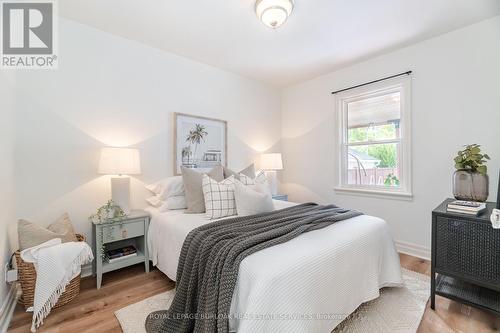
point(120, 161)
point(271, 161)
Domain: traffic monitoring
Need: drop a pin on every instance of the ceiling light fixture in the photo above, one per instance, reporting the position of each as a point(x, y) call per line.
point(273, 13)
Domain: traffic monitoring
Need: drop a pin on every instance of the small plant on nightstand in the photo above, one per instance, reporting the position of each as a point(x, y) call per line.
point(107, 212)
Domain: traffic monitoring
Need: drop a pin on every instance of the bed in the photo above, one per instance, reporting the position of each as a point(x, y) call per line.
point(308, 284)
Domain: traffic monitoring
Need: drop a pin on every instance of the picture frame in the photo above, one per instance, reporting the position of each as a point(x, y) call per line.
point(199, 142)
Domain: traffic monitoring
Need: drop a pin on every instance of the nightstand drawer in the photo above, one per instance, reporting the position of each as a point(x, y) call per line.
point(117, 232)
point(468, 248)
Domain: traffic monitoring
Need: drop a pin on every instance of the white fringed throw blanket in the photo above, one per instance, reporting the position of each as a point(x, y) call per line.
point(56, 265)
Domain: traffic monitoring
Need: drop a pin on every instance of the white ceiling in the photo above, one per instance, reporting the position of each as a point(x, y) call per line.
point(320, 36)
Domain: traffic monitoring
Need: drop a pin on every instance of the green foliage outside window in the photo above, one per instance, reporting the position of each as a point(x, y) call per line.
point(373, 133)
point(391, 180)
point(386, 153)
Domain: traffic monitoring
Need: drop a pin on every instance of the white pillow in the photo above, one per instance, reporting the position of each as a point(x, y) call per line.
point(219, 197)
point(251, 200)
point(261, 188)
point(173, 203)
point(168, 187)
point(155, 188)
point(154, 201)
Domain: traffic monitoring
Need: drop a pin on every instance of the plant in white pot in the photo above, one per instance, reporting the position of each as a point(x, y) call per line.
point(470, 180)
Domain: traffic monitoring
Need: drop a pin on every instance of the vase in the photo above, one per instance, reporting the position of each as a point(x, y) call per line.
point(470, 186)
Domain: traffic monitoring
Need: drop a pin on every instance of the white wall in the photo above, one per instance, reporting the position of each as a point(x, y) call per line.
point(456, 101)
point(7, 216)
point(113, 91)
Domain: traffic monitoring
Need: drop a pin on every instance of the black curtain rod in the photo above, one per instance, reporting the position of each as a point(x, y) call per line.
point(364, 84)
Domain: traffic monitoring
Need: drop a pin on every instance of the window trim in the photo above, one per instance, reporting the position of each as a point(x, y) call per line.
point(403, 85)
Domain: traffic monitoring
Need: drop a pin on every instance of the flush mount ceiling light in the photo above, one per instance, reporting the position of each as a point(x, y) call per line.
point(273, 13)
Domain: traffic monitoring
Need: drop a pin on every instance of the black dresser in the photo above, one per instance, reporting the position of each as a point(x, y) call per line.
point(465, 258)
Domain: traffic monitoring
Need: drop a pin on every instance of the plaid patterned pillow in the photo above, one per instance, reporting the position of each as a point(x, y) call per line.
point(219, 197)
point(261, 178)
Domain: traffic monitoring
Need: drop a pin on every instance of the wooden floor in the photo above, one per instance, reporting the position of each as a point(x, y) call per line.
point(93, 310)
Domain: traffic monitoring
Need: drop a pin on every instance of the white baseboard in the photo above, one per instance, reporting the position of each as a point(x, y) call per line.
point(8, 306)
point(415, 250)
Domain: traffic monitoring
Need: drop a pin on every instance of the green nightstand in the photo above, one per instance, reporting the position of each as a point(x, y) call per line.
point(282, 197)
point(132, 230)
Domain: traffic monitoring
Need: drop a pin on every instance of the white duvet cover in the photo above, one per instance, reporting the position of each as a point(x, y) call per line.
point(308, 284)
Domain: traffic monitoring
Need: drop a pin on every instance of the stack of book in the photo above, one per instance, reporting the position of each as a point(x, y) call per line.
point(121, 254)
point(466, 207)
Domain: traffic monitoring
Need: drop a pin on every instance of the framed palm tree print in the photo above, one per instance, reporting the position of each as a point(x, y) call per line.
point(199, 142)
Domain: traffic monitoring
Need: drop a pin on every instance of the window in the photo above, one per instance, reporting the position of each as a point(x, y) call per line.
point(374, 131)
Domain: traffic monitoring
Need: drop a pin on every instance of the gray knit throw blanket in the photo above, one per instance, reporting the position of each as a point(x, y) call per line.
point(210, 259)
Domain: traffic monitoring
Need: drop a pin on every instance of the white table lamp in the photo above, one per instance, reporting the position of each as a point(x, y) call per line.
point(120, 162)
point(271, 163)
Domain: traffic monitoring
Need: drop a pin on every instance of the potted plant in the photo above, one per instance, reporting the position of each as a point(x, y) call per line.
point(108, 212)
point(470, 180)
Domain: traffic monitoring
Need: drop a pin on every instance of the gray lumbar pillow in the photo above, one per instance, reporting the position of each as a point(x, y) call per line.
point(192, 179)
point(248, 171)
point(31, 234)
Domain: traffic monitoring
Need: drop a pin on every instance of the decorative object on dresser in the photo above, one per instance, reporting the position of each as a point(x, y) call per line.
point(112, 235)
point(465, 258)
point(470, 180)
point(120, 161)
point(495, 218)
point(271, 163)
point(199, 142)
point(498, 192)
point(466, 207)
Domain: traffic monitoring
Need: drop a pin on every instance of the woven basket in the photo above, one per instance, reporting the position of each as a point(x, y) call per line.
point(27, 278)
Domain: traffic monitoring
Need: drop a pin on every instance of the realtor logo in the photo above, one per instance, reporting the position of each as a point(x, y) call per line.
point(28, 34)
